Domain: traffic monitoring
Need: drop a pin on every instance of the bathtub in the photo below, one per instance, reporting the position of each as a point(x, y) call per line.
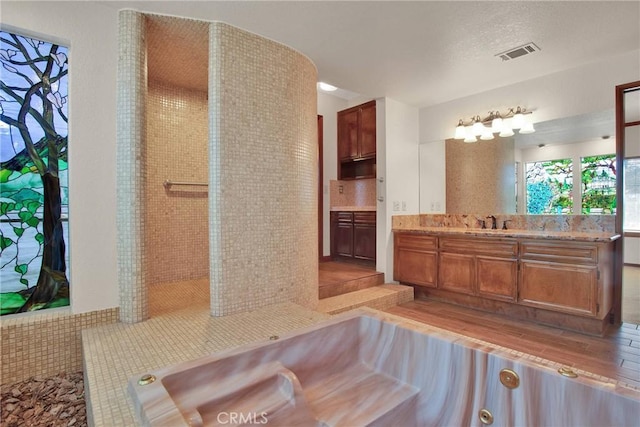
point(367, 368)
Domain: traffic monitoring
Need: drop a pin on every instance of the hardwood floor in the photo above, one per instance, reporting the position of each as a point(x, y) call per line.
point(616, 355)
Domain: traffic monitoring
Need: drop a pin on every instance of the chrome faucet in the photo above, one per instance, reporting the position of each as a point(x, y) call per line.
point(494, 225)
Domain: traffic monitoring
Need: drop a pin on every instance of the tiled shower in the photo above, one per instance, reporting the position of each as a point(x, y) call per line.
point(251, 136)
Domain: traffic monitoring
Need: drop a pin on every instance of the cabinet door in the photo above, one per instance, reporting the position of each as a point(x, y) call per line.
point(496, 278)
point(415, 259)
point(368, 130)
point(561, 287)
point(344, 239)
point(364, 241)
point(456, 272)
point(416, 267)
point(348, 134)
point(364, 235)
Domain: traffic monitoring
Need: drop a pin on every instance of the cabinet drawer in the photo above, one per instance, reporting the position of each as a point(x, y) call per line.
point(364, 218)
point(416, 242)
point(343, 216)
point(570, 252)
point(506, 248)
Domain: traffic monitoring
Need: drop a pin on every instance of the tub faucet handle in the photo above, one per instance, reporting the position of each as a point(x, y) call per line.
point(504, 223)
point(483, 223)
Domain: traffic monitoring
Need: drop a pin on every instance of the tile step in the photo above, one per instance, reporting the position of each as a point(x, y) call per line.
point(380, 297)
point(332, 290)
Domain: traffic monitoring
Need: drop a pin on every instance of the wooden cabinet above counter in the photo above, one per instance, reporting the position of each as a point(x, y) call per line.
point(564, 283)
point(357, 142)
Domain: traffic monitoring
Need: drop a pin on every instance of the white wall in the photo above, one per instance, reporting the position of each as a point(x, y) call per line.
point(90, 31)
point(397, 164)
point(328, 107)
point(433, 190)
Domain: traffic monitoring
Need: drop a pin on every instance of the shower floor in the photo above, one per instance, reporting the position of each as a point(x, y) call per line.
point(165, 298)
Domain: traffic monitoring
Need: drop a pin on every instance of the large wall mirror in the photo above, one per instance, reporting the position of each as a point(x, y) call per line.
point(566, 167)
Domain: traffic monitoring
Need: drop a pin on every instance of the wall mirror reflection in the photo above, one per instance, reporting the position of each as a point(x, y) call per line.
point(566, 167)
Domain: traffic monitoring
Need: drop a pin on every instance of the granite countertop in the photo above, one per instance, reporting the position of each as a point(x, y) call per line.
point(536, 234)
point(353, 208)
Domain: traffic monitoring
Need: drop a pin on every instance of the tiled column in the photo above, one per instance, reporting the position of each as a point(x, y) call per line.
point(262, 173)
point(132, 91)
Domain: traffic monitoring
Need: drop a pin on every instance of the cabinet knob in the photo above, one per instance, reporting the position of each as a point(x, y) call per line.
point(380, 198)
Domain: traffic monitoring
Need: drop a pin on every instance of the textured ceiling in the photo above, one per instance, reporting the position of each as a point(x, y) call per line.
point(421, 53)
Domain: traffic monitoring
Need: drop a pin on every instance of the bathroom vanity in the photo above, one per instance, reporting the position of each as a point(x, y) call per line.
point(560, 278)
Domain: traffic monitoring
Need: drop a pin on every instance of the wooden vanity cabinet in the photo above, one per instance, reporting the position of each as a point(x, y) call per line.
point(357, 142)
point(557, 282)
point(565, 277)
point(476, 266)
point(353, 236)
point(415, 259)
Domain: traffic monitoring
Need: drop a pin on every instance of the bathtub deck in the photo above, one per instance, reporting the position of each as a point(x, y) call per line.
point(114, 353)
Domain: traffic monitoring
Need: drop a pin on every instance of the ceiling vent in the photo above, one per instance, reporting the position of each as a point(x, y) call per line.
point(516, 52)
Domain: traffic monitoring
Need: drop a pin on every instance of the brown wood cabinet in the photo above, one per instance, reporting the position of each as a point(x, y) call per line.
point(561, 282)
point(353, 236)
point(563, 276)
point(415, 259)
point(357, 142)
point(476, 266)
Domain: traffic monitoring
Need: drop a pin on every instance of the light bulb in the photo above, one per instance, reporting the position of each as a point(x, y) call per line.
point(518, 119)
point(460, 131)
point(496, 124)
point(486, 134)
point(470, 136)
point(477, 127)
point(326, 87)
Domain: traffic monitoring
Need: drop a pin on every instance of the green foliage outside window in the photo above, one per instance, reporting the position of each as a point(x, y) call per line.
point(599, 184)
point(549, 187)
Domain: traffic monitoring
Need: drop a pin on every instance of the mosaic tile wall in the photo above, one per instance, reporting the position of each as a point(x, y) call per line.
point(176, 218)
point(357, 192)
point(262, 173)
point(46, 343)
point(489, 166)
point(130, 123)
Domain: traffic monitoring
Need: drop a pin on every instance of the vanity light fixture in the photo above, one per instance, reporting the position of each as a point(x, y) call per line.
point(503, 124)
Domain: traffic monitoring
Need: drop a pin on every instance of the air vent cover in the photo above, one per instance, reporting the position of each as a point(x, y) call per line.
point(516, 52)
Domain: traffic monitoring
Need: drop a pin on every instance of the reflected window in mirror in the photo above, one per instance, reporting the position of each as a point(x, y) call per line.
point(553, 188)
point(598, 184)
point(549, 186)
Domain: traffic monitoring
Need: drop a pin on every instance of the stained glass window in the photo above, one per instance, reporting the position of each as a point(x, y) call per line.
point(550, 187)
point(33, 174)
point(599, 184)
